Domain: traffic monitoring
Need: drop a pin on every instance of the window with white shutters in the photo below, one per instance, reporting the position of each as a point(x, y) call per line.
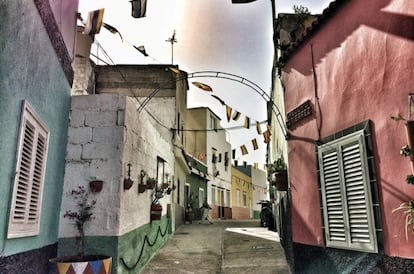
point(346, 194)
point(30, 168)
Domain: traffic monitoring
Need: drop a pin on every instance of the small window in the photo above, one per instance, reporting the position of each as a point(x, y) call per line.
point(160, 171)
point(238, 197)
point(30, 171)
point(346, 194)
point(213, 123)
point(244, 199)
point(201, 197)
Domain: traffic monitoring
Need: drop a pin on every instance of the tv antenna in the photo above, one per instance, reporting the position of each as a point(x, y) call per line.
point(172, 40)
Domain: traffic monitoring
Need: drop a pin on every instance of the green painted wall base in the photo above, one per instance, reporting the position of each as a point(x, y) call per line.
point(256, 214)
point(130, 252)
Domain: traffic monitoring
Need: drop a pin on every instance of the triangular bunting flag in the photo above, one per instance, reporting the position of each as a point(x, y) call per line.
point(243, 149)
point(63, 267)
point(175, 70)
point(228, 113)
point(80, 267)
point(266, 136)
point(139, 8)
point(112, 29)
point(142, 50)
point(236, 116)
point(107, 265)
point(254, 142)
point(202, 86)
point(259, 128)
point(218, 99)
point(246, 122)
point(94, 22)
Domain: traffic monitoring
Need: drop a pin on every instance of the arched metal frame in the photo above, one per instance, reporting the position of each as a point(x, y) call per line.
point(235, 78)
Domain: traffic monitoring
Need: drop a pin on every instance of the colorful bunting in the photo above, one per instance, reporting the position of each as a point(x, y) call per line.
point(142, 50)
point(243, 150)
point(228, 113)
point(218, 99)
point(175, 70)
point(266, 136)
point(94, 22)
point(112, 29)
point(258, 128)
point(236, 116)
point(246, 122)
point(139, 8)
point(202, 86)
point(254, 143)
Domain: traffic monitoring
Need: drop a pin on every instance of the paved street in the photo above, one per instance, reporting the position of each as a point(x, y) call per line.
point(224, 247)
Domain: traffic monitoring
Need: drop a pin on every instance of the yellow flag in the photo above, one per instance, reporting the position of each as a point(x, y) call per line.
point(228, 113)
point(243, 149)
point(259, 129)
point(247, 122)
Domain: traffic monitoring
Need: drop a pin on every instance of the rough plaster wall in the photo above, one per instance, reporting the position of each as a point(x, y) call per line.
point(145, 140)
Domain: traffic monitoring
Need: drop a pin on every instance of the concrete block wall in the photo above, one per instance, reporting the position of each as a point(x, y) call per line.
point(106, 133)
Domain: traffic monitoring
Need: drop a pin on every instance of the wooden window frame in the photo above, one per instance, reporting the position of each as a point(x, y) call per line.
point(26, 204)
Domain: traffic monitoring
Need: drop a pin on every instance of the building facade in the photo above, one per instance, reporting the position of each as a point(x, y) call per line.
point(206, 140)
point(35, 82)
point(241, 192)
point(343, 80)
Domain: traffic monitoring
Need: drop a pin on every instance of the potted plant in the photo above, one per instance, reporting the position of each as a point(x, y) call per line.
point(408, 208)
point(81, 216)
point(278, 173)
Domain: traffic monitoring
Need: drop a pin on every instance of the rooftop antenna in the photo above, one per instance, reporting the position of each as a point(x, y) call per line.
point(172, 40)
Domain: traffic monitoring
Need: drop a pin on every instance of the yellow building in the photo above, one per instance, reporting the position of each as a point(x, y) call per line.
point(242, 192)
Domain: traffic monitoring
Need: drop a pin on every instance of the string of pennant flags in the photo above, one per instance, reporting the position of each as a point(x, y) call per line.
point(235, 115)
point(93, 25)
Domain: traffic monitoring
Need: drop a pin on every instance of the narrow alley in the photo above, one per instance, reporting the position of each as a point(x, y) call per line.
point(227, 246)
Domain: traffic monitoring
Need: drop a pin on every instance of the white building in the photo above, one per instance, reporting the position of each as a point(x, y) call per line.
point(129, 130)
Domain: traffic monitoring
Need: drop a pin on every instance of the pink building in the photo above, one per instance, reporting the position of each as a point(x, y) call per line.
point(343, 80)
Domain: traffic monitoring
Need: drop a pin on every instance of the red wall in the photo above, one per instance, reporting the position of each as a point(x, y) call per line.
point(364, 66)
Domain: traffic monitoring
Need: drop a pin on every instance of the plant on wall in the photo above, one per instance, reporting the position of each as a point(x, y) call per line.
point(408, 208)
point(406, 151)
point(82, 215)
point(81, 262)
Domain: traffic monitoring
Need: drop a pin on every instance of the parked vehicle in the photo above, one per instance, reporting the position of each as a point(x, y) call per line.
point(266, 215)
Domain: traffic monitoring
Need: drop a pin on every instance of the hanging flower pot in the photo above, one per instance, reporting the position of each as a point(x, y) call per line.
point(281, 180)
point(96, 185)
point(156, 212)
point(128, 183)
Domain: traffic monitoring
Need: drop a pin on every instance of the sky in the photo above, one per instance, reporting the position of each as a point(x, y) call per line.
point(212, 35)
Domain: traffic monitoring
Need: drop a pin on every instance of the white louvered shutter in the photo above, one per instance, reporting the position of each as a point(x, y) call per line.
point(346, 192)
point(30, 168)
